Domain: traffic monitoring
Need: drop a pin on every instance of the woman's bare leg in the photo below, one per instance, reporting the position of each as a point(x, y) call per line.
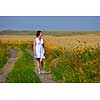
point(41, 65)
point(38, 65)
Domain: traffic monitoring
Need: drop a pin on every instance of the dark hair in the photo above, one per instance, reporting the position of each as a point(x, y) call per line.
point(38, 33)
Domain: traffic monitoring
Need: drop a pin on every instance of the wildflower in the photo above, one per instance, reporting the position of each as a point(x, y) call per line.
point(94, 62)
point(92, 49)
point(76, 60)
point(98, 58)
point(78, 41)
point(84, 42)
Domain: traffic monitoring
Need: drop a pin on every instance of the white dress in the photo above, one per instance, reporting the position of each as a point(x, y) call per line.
point(39, 49)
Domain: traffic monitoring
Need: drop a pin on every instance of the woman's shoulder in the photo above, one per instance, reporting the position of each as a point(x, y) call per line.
point(42, 39)
point(35, 39)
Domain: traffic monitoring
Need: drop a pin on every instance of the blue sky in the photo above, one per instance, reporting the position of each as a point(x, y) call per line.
point(50, 23)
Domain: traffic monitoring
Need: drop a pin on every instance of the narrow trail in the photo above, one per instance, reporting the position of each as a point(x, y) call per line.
point(8, 66)
point(46, 77)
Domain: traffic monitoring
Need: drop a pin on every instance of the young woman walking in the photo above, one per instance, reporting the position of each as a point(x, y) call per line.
point(39, 51)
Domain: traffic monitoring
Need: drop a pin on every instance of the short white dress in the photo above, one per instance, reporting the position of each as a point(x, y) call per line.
point(39, 48)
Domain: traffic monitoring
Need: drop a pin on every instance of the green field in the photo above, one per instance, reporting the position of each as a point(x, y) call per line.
point(71, 57)
point(23, 71)
point(4, 54)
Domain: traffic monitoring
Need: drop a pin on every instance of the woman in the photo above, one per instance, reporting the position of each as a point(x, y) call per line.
point(39, 51)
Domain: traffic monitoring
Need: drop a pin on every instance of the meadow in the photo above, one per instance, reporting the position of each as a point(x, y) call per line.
point(70, 58)
point(4, 54)
point(23, 71)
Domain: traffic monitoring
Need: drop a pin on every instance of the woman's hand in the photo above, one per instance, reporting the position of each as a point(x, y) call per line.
point(34, 53)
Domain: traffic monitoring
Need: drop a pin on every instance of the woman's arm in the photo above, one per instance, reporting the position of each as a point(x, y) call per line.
point(43, 44)
point(34, 47)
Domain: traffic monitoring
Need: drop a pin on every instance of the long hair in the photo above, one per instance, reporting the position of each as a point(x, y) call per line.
point(38, 33)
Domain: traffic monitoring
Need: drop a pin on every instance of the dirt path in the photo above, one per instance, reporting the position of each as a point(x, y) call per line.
point(45, 78)
point(8, 66)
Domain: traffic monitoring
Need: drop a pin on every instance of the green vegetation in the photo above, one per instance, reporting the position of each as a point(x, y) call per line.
point(52, 32)
point(70, 33)
point(74, 66)
point(23, 71)
point(4, 54)
point(14, 32)
point(69, 59)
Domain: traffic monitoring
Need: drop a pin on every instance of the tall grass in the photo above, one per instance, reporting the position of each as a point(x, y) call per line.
point(4, 54)
point(78, 65)
point(23, 71)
